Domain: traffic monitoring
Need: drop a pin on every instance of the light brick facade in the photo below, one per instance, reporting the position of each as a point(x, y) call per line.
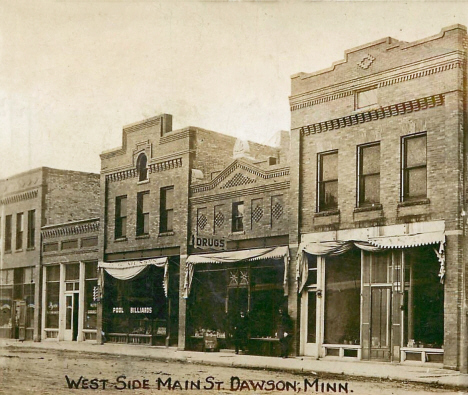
point(417, 87)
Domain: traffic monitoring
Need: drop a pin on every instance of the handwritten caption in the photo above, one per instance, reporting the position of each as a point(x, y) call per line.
point(208, 383)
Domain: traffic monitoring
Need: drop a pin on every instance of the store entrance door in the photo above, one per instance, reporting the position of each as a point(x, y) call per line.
point(381, 323)
point(71, 316)
point(309, 301)
point(20, 320)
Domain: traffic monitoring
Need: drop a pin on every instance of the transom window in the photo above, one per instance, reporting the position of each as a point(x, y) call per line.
point(369, 174)
point(414, 172)
point(327, 181)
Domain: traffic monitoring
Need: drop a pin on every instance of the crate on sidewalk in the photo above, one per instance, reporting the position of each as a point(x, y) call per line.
point(210, 342)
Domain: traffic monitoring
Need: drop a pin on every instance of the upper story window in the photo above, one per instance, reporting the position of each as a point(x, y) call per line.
point(19, 231)
point(327, 181)
point(142, 168)
point(31, 228)
point(414, 171)
point(366, 98)
point(142, 213)
point(166, 210)
point(120, 217)
point(8, 231)
point(369, 174)
point(238, 216)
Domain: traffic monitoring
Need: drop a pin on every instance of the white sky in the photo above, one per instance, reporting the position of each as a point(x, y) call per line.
point(73, 73)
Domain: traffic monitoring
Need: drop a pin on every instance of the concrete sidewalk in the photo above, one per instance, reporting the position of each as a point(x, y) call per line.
point(305, 365)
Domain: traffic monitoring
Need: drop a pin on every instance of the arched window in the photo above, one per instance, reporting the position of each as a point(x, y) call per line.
point(141, 168)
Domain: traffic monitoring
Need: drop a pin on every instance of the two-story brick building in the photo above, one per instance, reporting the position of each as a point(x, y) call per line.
point(29, 201)
point(378, 179)
point(239, 248)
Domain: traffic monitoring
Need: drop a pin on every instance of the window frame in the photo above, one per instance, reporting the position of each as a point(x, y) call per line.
point(142, 168)
point(166, 221)
point(8, 233)
point(120, 229)
point(404, 189)
point(31, 242)
point(320, 182)
point(360, 195)
point(19, 231)
point(142, 215)
point(237, 217)
point(360, 92)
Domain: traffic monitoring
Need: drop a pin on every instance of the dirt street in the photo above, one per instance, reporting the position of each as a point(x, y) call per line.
point(57, 372)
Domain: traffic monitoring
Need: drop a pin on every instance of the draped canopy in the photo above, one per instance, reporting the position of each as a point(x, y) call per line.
point(126, 270)
point(237, 256)
point(373, 244)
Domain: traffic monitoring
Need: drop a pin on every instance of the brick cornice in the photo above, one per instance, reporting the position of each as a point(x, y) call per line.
point(243, 192)
point(312, 99)
point(173, 136)
point(20, 197)
point(152, 168)
point(88, 226)
point(375, 114)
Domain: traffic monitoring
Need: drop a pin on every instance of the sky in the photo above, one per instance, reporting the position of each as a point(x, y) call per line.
point(73, 73)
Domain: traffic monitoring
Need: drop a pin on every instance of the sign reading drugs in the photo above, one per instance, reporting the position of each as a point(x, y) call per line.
point(208, 243)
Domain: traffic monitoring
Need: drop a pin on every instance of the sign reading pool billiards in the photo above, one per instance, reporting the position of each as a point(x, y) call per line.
point(133, 310)
point(208, 243)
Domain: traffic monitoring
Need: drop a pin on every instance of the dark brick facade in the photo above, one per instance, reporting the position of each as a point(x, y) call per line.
point(55, 196)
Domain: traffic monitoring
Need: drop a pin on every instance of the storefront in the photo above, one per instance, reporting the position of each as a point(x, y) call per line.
point(377, 298)
point(69, 301)
point(17, 303)
point(140, 301)
point(221, 285)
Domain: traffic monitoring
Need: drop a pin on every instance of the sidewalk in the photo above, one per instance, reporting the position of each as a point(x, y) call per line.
point(304, 365)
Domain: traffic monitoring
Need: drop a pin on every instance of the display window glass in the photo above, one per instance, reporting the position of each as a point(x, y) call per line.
point(52, 296)
point(343, 298)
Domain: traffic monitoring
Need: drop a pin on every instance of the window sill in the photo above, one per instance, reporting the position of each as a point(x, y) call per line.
point(373, 207)
point(327, 213)
point(30, 248)
point(120, 239)
point(8, 252)
point(164, 234)
point(143, 182)
point(415, 202)
point(144, 236)
point(19, 250)
point(237, 233)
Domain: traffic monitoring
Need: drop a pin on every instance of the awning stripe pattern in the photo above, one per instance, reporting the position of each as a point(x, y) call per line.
point(372, 244)
point(236, 256)
point(126, 270)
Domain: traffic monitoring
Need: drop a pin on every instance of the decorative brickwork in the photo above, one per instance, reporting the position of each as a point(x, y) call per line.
point(385, 82)
point(257, 214)
point(237, 180)
point(20, 197)
point(219, 219)
point(277, 211)
point(374, 115)
point(366, 62)
point(71, 229)
point(240, 165)
point(152, 168)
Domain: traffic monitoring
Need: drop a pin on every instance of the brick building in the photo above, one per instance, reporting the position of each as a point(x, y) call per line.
point(29, 201)
point(157, 190)
point(69, 280)
point(378, 179)
point(239, 255)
